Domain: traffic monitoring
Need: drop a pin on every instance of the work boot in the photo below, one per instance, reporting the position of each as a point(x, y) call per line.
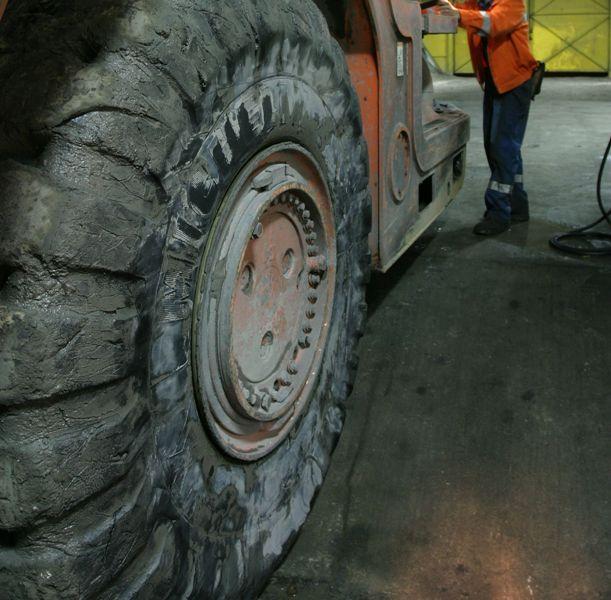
point(520, 212)
point(491, 226)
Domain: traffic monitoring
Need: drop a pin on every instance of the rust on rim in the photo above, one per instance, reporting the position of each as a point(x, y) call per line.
point(264, 301)
point(3, 5)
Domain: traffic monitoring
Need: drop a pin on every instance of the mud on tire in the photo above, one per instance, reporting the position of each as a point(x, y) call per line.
point(122, 126)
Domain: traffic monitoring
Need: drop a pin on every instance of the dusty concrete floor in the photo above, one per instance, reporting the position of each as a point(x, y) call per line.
point(476, 458)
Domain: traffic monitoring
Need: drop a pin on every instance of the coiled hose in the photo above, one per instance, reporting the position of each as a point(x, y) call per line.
point(593, 243)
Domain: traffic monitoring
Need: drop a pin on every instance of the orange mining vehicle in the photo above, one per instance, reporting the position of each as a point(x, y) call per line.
point(192, 194)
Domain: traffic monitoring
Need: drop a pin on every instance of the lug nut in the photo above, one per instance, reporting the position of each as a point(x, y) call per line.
point(313, 298)
point(310, 314)
point(266, 402)
point(317, 264)
point(307, 329)
point(311, 238)
point(285, 382)
point(312, 250)
point(304, 342)
point(250, 397)
point(292, 369)
point(309, 226)
point(305, 215)
point(314, 280)
point(257, 231)
point(301, 208)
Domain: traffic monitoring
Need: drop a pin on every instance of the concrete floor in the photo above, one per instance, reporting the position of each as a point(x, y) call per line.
point(476, 457)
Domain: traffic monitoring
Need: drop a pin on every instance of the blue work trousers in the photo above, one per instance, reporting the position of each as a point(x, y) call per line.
point(505, 120)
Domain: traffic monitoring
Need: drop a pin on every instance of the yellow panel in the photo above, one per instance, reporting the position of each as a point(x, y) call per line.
point(440, 47)
point(576, 44)
point(571, 36)
point(462, 57)
point(569, 7)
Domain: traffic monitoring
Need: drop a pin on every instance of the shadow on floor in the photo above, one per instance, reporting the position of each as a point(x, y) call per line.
point(475, 459)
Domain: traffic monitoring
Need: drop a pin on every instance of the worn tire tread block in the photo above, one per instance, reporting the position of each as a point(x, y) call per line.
point(63, 332)
point(100, 494)
point(92, 439)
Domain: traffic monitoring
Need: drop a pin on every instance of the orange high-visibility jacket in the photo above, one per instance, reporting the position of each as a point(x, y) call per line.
point(506, 26)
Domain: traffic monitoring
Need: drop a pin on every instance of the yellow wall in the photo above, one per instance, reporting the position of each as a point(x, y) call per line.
point(571, 36)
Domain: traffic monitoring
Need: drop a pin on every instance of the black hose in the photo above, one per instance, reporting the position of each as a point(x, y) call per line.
point(560, 241)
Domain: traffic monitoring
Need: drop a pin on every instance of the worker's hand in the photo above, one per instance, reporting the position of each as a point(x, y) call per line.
point(445, 7)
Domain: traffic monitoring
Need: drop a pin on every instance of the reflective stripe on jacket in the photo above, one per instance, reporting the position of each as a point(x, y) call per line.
point(505, 25)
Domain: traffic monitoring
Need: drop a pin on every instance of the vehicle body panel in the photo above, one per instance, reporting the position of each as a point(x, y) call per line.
point(417, 154)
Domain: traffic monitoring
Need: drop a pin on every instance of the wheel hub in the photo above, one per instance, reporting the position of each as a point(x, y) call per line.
point(263, 314)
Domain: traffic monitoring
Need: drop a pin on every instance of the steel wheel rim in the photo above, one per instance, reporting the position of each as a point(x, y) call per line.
point(263, 302)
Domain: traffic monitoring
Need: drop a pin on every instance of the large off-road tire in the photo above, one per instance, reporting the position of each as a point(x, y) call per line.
point(130, 131)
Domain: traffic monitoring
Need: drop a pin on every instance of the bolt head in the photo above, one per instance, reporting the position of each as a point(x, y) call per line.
point(292, 369)
point(257, 231)
point(266, 402)
point(251, 397)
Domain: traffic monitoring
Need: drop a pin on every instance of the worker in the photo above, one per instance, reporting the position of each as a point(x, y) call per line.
point(498, 40)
